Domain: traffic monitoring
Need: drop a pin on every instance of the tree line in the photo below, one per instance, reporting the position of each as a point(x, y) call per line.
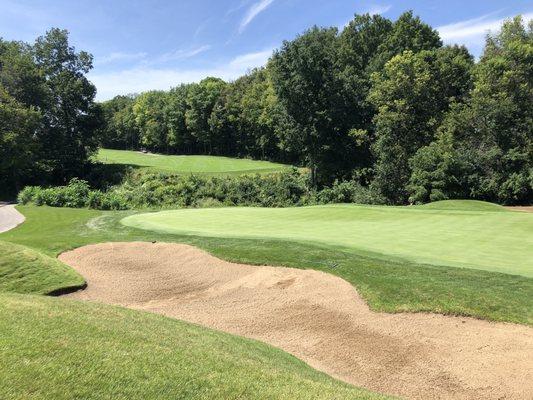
point(380, 103)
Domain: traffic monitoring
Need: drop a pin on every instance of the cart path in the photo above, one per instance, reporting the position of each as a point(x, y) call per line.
point(9, 217)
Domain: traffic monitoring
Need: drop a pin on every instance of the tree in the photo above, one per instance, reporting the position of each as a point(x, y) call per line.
point(71, 118)
point(411, 94)
point(490, 138)
point(17, 145)
point(150, 119)
point(307, 82)
point(201, 100)
point(179, 138)
point(119, 130)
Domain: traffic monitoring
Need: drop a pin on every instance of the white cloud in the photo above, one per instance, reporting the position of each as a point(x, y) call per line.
point(119, 56)
point(473, 31)
point(180, 54)
point(377, 9)
point(143, 78)
point(253, 12)
point(251, 60)
point(372, 10)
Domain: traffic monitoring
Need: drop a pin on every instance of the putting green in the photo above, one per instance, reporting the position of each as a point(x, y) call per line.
point(488, 240)
point(188, 164)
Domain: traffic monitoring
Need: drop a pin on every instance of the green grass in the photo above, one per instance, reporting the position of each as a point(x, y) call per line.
point(387, 283)
point(24, 270)
point(209, 165)
point(492, 241)
point(58, 349)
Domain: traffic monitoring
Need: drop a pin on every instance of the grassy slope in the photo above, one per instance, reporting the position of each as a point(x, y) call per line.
point(387, 284)
point(188, 164)
point(62, 349)
point(493, 241)
point(24, 270)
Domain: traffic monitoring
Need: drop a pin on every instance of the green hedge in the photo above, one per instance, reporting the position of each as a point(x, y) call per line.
point(159, 190)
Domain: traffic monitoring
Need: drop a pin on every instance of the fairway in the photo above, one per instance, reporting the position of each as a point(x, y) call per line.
point(488, 240)
point(211, 165)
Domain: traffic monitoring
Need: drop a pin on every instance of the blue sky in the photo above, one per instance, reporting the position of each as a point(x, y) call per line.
point(154, 44)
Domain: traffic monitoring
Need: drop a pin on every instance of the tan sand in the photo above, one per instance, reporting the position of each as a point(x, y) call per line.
point(521, 208)
point(317, 317)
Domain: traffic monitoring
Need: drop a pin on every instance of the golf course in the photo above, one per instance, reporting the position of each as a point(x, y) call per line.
point(337, 278)
point(202, 165)
point(266, 200)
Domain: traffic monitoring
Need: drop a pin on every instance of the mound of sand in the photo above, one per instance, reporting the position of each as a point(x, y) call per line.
point(317, 317)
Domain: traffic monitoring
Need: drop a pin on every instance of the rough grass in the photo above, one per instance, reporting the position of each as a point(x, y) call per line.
point(492, 241)
point(209, 165)
point(24, 270)
point(387, 283)
point(62, 349)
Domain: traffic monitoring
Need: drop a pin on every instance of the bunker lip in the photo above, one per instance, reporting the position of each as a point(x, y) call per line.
point(315, 316)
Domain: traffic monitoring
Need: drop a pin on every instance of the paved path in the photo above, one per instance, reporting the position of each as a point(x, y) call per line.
point(9, 217)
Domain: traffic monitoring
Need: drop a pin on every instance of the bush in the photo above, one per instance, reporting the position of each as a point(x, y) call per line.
point(27, 194)
point(350, 192)
point(159, 190)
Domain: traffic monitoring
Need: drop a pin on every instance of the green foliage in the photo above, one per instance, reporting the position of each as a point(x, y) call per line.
point(485, 146)
point(48, 118)
point(156, 190)
point(119, 130)
point(381, 103)
point(411, 94)
point(350, 192)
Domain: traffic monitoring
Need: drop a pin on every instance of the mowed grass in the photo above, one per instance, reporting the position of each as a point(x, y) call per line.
point(387, 283)
point(53, 348)
point(57, 348)
point(208, 165)
point(24, 270)
point(486, 240)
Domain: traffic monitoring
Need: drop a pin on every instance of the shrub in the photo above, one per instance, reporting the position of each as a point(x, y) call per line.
point(159, 190)
point(27, 194)
point(350, 192)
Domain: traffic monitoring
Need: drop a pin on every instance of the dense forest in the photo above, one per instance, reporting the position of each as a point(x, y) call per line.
point(382, 104)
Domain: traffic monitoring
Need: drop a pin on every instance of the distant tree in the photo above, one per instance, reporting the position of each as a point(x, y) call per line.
point(119, 130)
point(179, 138)
point(149, 112)
point(411, 95)
point(201, 100)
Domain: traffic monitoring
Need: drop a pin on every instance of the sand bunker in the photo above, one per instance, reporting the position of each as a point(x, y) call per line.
point(521, 208)
point(317, 317)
